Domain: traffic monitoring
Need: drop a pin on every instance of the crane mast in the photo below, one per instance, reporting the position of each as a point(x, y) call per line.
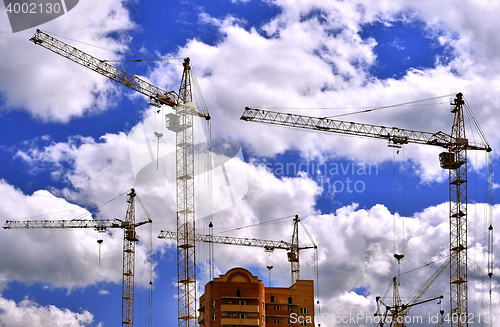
point(268, 245)
point(181, 122)
point(293, 255)
point(129, 239)
point(182, 125)
point(454, 159)
point(457, 166)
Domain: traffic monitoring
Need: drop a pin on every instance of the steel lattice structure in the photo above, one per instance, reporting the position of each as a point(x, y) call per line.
point(129, 239)
point(186, 259)
point(455, 160)
point(458, 217)
point(182, 124)
point(399, 310)
point(293, 248)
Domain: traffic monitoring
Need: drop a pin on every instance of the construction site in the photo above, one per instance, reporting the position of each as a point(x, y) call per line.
point(239, 297)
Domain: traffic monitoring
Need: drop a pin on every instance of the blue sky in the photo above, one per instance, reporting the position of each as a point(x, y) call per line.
point(67, 143)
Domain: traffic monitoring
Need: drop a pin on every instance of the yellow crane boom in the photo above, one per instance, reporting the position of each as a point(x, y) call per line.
point(454, 159)
point(129, 239)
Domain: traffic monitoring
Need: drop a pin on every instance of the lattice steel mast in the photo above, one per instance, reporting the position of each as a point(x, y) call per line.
point(293, 248)
point(186, 260)
point(458, 215)
point(455, 160)
point(182, 124)
point(129, 239)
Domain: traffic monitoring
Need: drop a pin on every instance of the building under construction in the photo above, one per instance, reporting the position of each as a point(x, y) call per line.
point(239, 298)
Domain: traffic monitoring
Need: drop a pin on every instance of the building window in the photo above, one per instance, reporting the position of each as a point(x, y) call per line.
point(262, 305)
point(290, 309)
point(229, 315)
point(272, 298)
point(289, 300)
point(242, 316)
point(304, 310)
point(238, 293)
point(229, 302)
point(242, 302)
point(304, 323)
point(214, 316)
point(277, 308)
point(277, 320)
point(262, 318)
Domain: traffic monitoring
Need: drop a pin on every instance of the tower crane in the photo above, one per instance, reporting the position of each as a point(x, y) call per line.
point(129, 239)
point(180, 122)
point(293, 248)
point(454, 159)
point(398, 311)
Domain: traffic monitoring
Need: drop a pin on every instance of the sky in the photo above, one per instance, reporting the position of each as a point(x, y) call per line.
point(72, 140)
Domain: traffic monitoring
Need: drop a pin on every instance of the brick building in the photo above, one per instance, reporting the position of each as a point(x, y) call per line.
point(238, 298)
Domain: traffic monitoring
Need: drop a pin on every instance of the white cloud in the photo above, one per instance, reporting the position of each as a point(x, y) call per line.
point(58, 89)
point(355, 245)
point(60, 258)
point(29, 313)
point(356, 248)
point(312, 56)
point(104, 292)
point(97, 171)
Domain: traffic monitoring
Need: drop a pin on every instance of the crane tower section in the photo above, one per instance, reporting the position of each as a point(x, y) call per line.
point(181, 122)
point(458, 214)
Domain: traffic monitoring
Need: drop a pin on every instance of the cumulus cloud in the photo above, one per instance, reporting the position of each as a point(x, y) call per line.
point(58, 89)
point(356, 262)
point(311, 55)
point(29, 313)
point(95, 171)
point(60, 258)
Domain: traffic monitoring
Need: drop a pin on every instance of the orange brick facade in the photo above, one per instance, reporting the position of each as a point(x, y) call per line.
point(238, 298)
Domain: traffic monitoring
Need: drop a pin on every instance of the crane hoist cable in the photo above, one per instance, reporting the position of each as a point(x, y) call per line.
point(427, 264)
point(397, 256)
point(118, 52)
point(366, 109)
point(253, 225)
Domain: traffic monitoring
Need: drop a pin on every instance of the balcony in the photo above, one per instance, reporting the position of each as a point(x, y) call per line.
point(240, 297)
point(241, 322)
point(239, 308)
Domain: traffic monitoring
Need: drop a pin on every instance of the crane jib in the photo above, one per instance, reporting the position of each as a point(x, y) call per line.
point(395, 136)
point(156, 96)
